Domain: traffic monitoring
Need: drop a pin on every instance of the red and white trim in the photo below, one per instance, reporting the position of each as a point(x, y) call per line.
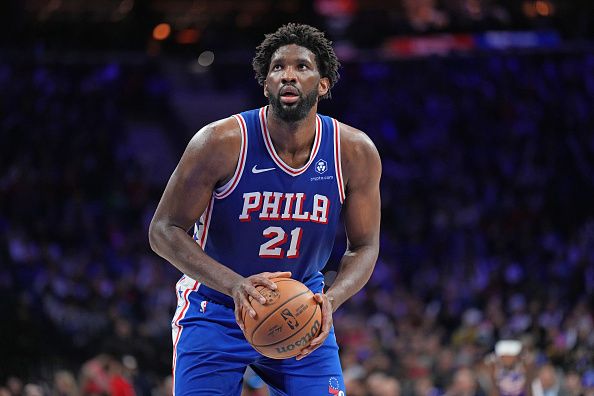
point(338, 161)
point(276, 158)
point(227, 189)
point(184, 287)
point(201, 232)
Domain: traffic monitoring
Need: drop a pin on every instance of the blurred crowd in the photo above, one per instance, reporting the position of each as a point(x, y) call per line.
point(487, 232)
point(488, 226)
point(210, 24)
point(77, 275)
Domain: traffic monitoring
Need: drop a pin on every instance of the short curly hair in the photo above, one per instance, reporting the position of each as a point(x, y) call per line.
point(304, 36)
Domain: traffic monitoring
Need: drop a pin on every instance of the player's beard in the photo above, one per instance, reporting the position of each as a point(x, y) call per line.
point(294, 112)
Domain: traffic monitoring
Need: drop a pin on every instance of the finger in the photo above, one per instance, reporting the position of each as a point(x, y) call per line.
point(239, 319)
point(263, 281)
point(306, 351)
point(302, 354)
point(325, 307)
point(319, 340)
point(326, 320)
point(283, 274)
point(255, 294)
point(245, 304)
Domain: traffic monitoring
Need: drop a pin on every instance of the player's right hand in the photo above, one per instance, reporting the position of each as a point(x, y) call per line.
point(247, 287)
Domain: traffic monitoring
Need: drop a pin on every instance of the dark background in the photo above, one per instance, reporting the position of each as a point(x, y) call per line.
point(483, 113)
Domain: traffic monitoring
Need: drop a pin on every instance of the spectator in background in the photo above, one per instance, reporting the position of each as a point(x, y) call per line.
point(65, 384)
point(381, 384)
point(105, 375)
point(573, 384)
point(547, 382)
point(33, 390)
point(119, 384)
point(14, 385)
point(464, 384)
point(424, 386)
point(509, 371)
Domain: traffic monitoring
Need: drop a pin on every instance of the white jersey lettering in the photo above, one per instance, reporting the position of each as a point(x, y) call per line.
point(289, 199)
point(269, 204)
point(298, 215)
point(252, 201)
point(319, 213)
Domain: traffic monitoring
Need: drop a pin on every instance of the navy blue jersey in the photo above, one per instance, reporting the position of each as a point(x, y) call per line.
point(270, 216)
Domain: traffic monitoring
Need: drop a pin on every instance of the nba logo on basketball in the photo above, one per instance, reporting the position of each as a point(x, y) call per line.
point(289, 318)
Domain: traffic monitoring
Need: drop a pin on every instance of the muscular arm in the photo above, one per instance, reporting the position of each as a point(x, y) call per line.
point(362, 212)
point(208, 161)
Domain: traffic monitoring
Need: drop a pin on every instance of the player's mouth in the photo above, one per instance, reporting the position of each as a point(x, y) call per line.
point(289, 94)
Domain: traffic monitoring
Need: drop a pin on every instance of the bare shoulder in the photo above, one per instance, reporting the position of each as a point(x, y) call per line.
point(215, 149)
point(223, 134)
point(359, 155)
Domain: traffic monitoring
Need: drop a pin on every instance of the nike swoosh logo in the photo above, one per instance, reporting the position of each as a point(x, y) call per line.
point(256, 170)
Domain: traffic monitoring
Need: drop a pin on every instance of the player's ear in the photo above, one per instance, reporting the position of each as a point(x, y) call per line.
point(323, 86)
point(265, 89)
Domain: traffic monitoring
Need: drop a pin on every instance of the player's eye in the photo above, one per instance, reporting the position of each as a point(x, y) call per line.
point(302, 66)
point(276, 67)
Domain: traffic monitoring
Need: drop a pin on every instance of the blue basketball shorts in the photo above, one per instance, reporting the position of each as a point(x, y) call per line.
point(211, 354)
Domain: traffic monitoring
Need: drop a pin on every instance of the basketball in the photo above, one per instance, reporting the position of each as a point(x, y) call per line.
point(286, 323)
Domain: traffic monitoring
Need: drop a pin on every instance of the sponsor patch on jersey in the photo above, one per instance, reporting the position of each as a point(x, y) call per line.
point(321, 166)
point(321, 178)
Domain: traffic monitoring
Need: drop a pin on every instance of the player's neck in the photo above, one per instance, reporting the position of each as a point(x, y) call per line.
point(292, 137)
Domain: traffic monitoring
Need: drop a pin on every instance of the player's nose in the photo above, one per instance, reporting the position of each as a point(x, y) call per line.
point(289, 75)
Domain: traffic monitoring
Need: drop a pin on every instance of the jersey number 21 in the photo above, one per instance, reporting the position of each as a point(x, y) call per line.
point(278, 237)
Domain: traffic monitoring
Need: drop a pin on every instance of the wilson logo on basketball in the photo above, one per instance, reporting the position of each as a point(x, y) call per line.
point(310, 335)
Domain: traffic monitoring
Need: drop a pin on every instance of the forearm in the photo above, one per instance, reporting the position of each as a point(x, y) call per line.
point(355, 270)
point(176, 246)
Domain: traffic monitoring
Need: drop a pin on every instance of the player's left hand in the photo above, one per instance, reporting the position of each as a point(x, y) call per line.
point(326, 307)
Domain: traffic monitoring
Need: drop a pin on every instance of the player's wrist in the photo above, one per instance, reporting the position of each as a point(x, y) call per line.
point(232, 284)
point(332, 301)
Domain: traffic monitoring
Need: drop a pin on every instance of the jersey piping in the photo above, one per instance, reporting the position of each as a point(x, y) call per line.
point(276, 158)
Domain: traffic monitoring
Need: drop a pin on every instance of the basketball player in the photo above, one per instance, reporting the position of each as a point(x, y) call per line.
point(265, 190)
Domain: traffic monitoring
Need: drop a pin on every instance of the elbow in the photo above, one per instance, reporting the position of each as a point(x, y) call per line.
point(154, 234)
point(370, 250)
point(376, 250)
